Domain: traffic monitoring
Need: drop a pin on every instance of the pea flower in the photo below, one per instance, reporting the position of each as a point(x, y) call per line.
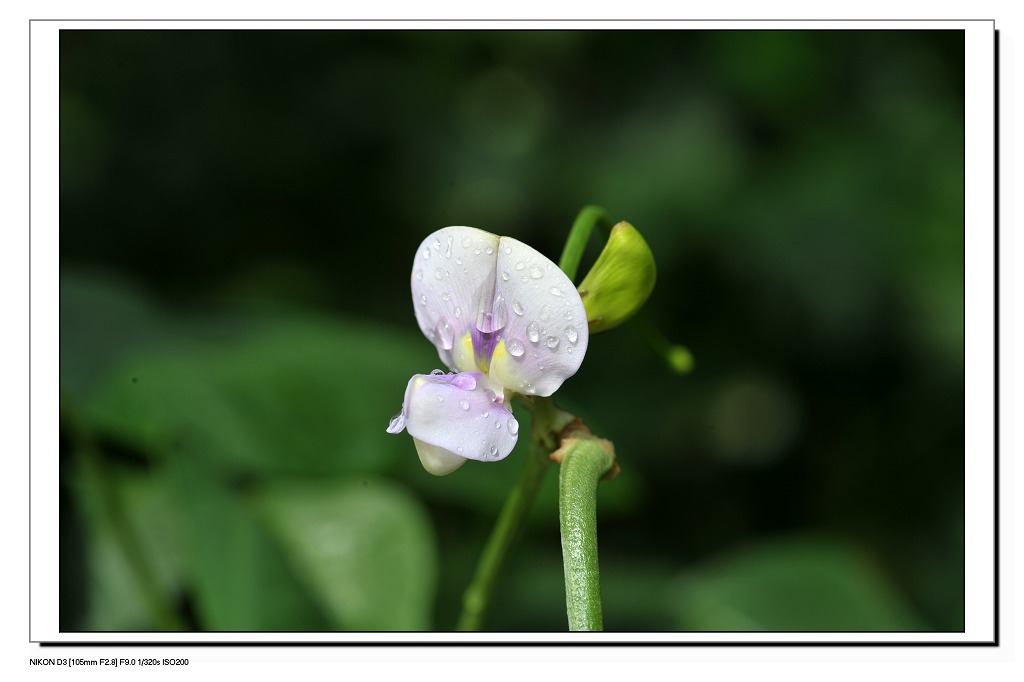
point(504, 320)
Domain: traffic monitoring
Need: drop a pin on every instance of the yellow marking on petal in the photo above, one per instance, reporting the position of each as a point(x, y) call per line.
point(464, 355)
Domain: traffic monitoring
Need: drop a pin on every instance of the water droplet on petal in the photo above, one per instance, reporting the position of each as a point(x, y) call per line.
point(533, 332)
point(570, 333)
point(464, 404)
point(519, 265)
point(508, 250)
point(437, 372)
point(458, 311)
point(504, 275)
point(494, 451)
point(555, 291)
point(513, 426)
point(437, 243)
point(446, 296)
point(497, 425)
point(423, 299)
point(439, 273)
point(448, 248)
point(489, 250)
point(568, 315)
point(551, 342)
point(464, 381)
point(419, 275)
point(536, 272)
point(517, 308)
point(440, 399)
point(445, 334)
point(426, 254)
point(476, 252)
point(515, 348)
point(466, 242)
point(484, 415)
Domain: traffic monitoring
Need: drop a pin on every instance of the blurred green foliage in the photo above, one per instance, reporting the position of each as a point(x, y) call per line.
point(239, 211)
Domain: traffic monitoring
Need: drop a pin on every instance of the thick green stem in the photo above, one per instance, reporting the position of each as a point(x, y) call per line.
point(548, 421)
point(588, 218)
point(584, 461)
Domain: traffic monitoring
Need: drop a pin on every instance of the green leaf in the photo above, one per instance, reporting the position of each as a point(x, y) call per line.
point(364, 547)
point(291, 396)
point(239, 577)
point(792, 585)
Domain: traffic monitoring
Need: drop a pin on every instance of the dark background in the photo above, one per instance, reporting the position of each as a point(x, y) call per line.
point(239, 213)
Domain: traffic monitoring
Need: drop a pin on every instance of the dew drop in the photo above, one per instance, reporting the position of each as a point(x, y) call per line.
point(536, 272)
point(570, 333)
point(445, 334)
point(519, 265)
point(568, 315)
point(555, 291)
point(437, 243)
point(458, 311)
point(476, 252)
point(439, 273)
point(517, 308)
point(497, 425)
point(419, 275)
point(464, 404)
point(551, 342)
point(508, 250)
point(448, 248)
point(533, 332)
point(426, 254)
point(446, 296)
point(523, 279)
point(513, 426)
point(440, 399)
point(494, 451)
point(485, 415)
point(423, 299)
point(504, 275)
point(437, 372)
point(489, 251)
point(464, 381)
point(515, 348)
point(466, 242)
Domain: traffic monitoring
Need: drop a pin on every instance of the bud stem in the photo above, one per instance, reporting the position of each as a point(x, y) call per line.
point(576, 243)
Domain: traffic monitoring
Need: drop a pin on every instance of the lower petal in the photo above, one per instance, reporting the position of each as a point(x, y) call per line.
point(457, 416)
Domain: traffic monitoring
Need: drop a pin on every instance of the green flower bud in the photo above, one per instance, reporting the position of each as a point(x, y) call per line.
point(620, 281)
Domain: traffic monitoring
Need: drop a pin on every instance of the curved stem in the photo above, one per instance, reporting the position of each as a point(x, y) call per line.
point(586, 220)
point(584, 461)
point(548, 421)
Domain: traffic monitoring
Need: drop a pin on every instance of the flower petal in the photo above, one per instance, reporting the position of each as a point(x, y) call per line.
point(453, 278)
point(461, 415)
point(546, 335)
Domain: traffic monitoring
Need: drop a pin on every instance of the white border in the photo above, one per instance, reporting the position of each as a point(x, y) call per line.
point(979, 405)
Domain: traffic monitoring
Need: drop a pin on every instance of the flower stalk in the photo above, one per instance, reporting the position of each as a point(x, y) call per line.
point(548, 422)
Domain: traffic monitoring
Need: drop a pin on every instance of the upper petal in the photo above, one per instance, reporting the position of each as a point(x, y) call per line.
point(453, 277)
point(545, 337)
point(461, 415)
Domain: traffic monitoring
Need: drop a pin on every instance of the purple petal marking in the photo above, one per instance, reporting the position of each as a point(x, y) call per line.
point(453, 287)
